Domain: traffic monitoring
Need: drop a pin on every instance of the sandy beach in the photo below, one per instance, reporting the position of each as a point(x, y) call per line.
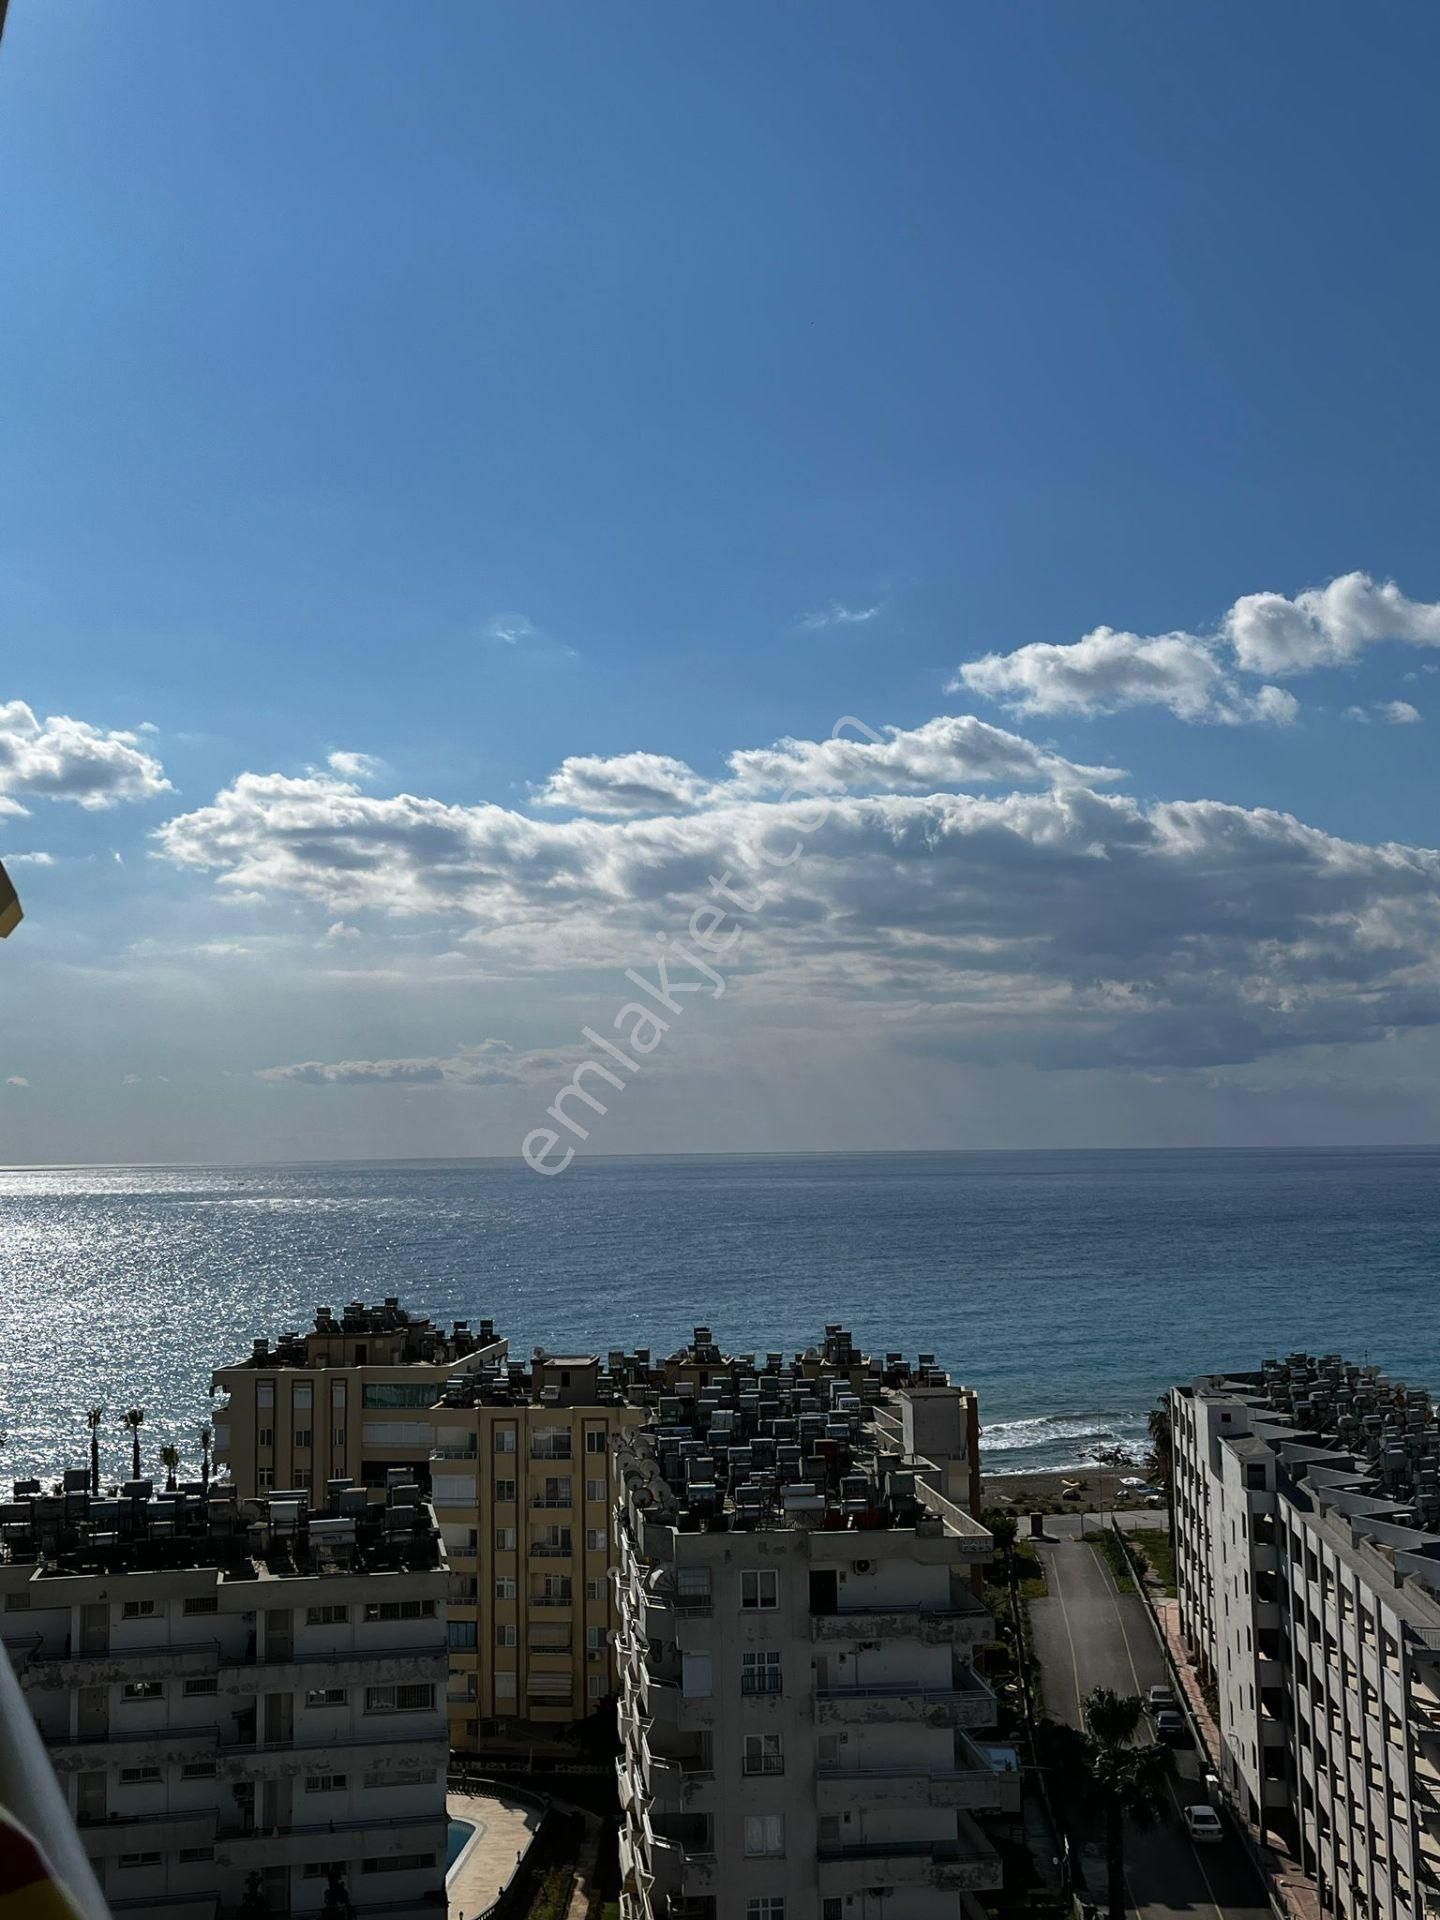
point(1099, 1491)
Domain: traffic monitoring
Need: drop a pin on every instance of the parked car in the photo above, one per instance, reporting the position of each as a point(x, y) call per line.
point(1170, 1726)
point(1203, 1825)
point(1159, 1697)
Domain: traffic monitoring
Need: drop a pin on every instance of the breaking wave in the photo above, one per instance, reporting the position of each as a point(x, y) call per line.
point(1057, 1440)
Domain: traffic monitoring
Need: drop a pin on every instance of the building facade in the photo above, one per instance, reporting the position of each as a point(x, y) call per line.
point(800, 1715)
point(243, 1701)
point(1307, 1536)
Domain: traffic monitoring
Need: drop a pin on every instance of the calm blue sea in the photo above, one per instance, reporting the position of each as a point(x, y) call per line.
point(1069, 1288)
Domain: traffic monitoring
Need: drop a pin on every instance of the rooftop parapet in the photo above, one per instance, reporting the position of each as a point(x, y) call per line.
point(383, 1335)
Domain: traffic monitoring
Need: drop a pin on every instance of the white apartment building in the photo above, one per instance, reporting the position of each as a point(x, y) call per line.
point(1307, 1535)
point(241, 1700)
point(800, 1717)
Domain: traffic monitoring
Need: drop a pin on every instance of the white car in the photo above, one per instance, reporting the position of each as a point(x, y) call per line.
point(1203, 1824)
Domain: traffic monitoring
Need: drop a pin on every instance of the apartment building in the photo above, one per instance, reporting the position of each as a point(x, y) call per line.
point(349, 1398)
point(521, 1479)
point(1307, 1534)
point(243, 1701)
point(802, 1724)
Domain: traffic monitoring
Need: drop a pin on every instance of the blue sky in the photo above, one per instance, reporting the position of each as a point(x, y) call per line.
point(480, 388)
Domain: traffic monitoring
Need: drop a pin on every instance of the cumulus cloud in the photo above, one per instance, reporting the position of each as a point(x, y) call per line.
point(1193, 675)
point(490, 1063)
point(625, 783)
point(29, 859)
point(17, 1080)
point(951, 751)
point(837, 614)
point(1389, 713)
point(63, 759)
point(1106, 671)
point(355, 766)
point(1064, 926)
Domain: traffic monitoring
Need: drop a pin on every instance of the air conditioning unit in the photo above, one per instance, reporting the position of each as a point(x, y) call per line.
point(863, 1566)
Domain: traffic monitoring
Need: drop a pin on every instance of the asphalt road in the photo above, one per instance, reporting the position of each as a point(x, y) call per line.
point(1088, 1634)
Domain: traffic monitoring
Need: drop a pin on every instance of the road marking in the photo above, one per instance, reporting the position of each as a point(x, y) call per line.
point(1113, 1590)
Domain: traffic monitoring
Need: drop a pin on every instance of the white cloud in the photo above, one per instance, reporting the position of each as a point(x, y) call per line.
point(491, 1063)
point(1193, 675)
point(1326, 626)
point(837, 614)
point(29, 859)
point(1066, 927)
point(510, 629)
point(951, 751)
point(1389, 713)
point(64, 759)
point(355, 766)
point(17, 1080)
point(625, 783)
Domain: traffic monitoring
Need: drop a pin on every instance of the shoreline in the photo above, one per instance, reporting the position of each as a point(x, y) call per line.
point(1097, 1490)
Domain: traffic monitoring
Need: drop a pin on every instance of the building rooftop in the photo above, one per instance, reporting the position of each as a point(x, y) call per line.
point(135, 1529)
point(778, 1444)
point(383, 1335)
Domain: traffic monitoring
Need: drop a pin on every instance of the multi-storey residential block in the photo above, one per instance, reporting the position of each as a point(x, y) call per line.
point(243, 1701)
point(348, 1398)
point(1307, 1536)
point(521, 1478)
point(799, 1707)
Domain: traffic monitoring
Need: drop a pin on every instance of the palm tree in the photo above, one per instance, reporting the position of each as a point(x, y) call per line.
point(1004, 1527)
point(93, 1417)
point(1161, 1464)
point(1129, 1782)
point(134, 1420)
point(206, 1435)
point(170, 1460)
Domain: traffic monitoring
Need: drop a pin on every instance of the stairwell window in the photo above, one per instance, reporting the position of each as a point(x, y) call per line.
point(763, 1753)
point(505, 1490)
point(595, 1490)
point(760, 1590)
point(505, 1539)
point(507, 1634)
point(596, 1440)
point(505, 1586)
point(596, 1540)
point(760, 1670)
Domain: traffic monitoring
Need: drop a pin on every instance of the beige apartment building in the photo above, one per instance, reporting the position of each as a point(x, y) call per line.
point(242, 1700)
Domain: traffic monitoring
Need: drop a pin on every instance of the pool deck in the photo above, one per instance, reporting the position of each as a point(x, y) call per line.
point(503, 1830)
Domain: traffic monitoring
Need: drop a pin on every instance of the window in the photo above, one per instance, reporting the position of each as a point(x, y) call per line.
point(265, 1436)
point(207, 1683)
point(192, 1856)
point(392, 1394)
point(506, 1634)
point(505, 1490)
point(554, 1590)
point(504, 1439)
point(302, 1478)
point(832, 1909)
point(505, 1686)
point(505, 1587)
point(303, 1436)
point(198, 1770)
point(400, 1863)
point(402, 1777)
point(16, 1602)
point(594, 1489)
point(143, 1690)
point(696, 1682)
point(414, 1698)
point(595, 1440)
point(769, 1906)
point(461, 1634)
point(760, 1589)
point(333, 1615)
point(137, 1610)
point(265, 1393)
point(304, 1399)
point(764, 1835)
point(322, 1869)
point(202, 1603)
point(595, 1639)
point(550, 1443)
point(596, 1540)
point(692, 1587)
point(400, 1610)
point(594, 1687)
point(337, 1439)
point(505, 1539)
point(139, 1776)
point(326, 1782)
point(763, 1753)
point(140, 1859)
point(594, 1589)
point(760, 1670)
point(325, 1697)
point(264, 1478)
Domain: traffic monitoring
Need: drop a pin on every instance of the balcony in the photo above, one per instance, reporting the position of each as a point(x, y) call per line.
point(939, 1626)
point(119, 1664)
point(107, 1839)
point(302, 1841)
point(967, 1704)
point(142, 1747)
point(965, 1865)
point(972, 1782)
point(549, 1550)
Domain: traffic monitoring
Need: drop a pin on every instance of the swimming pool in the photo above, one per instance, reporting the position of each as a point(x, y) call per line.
point(460, 1835)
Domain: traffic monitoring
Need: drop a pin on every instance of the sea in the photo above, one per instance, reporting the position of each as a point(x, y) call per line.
point(1068, 1288)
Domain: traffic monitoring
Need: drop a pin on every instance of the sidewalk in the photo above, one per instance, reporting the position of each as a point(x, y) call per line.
point(1294, 1889)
